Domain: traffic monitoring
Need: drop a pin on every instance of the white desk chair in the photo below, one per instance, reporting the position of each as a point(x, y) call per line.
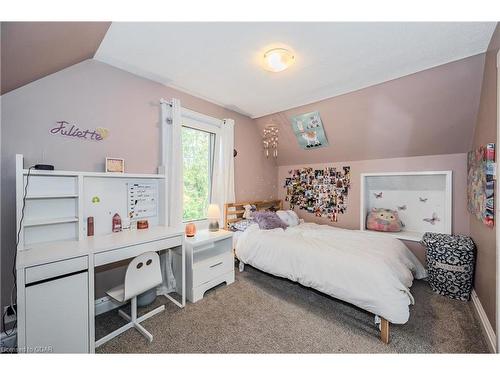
point(143, 273)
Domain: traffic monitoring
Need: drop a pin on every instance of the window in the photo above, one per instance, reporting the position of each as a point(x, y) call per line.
point(198, 150)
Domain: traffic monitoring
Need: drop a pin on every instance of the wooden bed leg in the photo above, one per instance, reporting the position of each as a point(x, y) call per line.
point(384, 331)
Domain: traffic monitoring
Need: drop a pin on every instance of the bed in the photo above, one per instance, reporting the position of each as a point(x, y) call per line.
point(369, 270)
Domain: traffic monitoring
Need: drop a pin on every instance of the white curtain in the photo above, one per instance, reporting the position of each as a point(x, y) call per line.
point(172, 166)
point(223, 173)
point(175, 166)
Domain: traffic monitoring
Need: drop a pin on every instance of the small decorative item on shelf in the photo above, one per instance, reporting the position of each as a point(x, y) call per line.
point(213, 217)
point(190, 229)
point(125, 223)
point(142, 224)
point(117, 223)
point(115, 165)
point(90, 226)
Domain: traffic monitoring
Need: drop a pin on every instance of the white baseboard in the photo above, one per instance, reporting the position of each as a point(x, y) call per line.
point(486, 327)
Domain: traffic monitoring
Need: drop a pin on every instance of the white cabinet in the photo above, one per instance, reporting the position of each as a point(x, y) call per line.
point(210, 262)
point(57, 314)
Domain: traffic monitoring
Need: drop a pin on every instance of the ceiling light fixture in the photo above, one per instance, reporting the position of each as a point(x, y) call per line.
point(278, 59)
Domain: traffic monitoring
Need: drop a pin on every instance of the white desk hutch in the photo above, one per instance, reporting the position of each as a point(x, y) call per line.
point(56, 259)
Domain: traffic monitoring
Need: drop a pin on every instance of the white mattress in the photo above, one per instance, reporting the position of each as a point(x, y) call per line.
point(372, 271)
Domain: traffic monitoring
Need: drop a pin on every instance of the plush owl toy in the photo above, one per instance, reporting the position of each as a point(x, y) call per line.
point(383, 220)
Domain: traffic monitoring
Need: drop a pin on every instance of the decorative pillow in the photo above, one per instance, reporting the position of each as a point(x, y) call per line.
point(268, 220)
point(288, 217)
point(242, 225)
point(383, 220)
point(249, 210)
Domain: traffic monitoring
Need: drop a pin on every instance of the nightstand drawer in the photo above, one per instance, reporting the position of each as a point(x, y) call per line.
point(211, 268)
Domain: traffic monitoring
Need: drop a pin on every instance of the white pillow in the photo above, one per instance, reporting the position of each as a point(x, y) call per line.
point(283, 216)
point(295, 217)
point(288, 217)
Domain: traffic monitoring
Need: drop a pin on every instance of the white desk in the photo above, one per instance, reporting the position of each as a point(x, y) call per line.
point(68, 266)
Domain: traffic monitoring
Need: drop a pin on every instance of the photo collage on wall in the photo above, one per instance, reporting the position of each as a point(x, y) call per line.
point(322, 192)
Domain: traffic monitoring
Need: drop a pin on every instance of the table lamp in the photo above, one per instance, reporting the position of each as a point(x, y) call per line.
point(213, 217)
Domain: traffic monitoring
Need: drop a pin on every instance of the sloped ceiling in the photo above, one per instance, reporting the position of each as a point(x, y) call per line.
point(32, 50)
point(427, 113)
point(221, 62)
point(432, 111)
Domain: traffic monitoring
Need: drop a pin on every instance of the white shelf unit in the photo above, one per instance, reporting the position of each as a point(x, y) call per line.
point(49, 221)
point(52, 196)
point(405, 189)
point(57, 203)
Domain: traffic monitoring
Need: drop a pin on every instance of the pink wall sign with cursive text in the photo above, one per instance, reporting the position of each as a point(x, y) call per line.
point(65, 129)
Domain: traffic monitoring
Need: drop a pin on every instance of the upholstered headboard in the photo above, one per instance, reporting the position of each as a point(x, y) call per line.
point(233, 212)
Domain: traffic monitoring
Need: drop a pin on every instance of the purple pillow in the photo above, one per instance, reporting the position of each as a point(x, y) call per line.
point(268, 220)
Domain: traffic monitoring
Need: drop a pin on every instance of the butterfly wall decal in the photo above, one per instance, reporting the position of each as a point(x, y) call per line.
point(378, 195)
point(433, 219)
point(402, 208)
point(423, 199)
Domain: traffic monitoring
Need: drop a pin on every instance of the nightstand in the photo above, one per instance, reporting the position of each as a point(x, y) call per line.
point(209, 262)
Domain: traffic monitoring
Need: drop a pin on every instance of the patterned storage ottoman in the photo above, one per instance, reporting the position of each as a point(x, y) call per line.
point(450, 264)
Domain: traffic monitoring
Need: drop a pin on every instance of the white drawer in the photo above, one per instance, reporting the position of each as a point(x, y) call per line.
point(110, 256)
point(211, 268)
point(56, 269)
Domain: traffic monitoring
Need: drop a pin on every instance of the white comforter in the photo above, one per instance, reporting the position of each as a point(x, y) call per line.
point(369, 270)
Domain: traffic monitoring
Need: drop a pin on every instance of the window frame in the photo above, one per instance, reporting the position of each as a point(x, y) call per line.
point(207, 124)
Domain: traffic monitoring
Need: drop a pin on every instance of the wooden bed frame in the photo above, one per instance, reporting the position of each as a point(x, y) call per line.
point(233, 212)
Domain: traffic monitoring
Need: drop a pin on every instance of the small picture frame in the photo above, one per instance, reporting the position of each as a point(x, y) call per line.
point(115, 165)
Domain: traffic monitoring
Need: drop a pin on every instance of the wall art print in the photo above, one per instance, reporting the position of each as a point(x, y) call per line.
point(309, 131)
point(322, 192)
point(481, 184)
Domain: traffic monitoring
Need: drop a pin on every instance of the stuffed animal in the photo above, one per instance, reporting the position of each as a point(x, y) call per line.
point(249, 210)
point(383, 220)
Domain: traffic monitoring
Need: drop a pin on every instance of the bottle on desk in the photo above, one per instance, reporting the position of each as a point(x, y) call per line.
point(90, 226)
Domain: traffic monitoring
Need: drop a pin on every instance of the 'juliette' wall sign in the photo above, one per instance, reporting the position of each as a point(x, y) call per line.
point(65, 129)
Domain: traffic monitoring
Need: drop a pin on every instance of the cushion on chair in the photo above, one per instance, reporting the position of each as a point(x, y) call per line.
point(117, 293)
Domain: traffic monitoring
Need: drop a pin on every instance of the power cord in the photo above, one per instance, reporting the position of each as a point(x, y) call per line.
point(13, 299)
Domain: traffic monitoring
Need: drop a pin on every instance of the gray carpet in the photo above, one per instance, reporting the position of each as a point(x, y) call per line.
point(260, 313)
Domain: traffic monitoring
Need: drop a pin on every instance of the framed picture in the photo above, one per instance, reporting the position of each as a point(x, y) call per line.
point(115, 165)
point(308, 128)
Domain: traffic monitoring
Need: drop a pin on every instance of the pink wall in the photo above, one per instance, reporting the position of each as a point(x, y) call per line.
point(94, 94)
point(427, 113)
point(486, 132)
point(351, 219)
